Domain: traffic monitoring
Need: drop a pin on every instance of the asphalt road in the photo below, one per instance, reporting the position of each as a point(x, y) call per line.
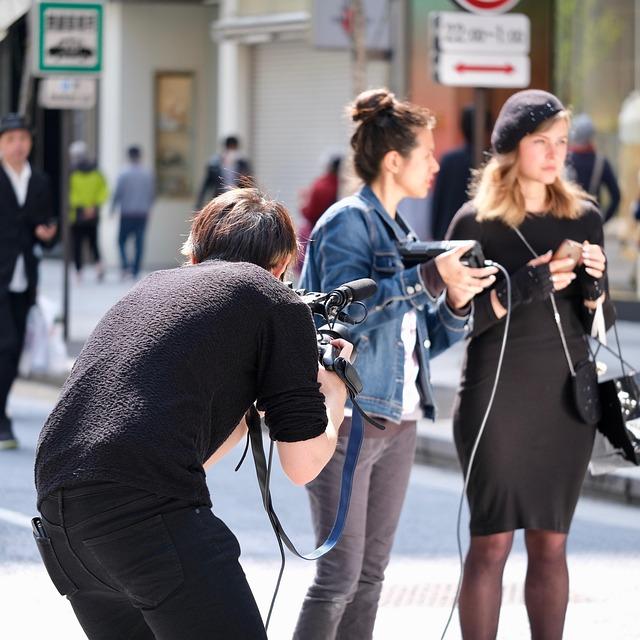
point(420, 582)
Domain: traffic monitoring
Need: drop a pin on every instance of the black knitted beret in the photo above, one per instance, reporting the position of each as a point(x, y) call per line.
point(521, 115)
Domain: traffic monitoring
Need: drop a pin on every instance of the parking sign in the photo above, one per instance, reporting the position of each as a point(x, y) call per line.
point(68, 38)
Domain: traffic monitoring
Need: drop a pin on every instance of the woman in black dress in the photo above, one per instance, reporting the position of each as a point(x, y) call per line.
point(534, 451)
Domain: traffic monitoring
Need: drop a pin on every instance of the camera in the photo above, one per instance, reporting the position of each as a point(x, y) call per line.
point(414, 252)
point(331, 307)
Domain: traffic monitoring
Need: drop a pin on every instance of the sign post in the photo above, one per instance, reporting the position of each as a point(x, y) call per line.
point(67, 53)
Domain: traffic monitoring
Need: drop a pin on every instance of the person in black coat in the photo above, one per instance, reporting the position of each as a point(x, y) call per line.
point(25, 220)
point(589, 168)
point(223, 171)
point(452, 182)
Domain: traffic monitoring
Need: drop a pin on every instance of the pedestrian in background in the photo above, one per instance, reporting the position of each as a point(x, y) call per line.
point(590, 168)
point(88, 191)
point(26, 220)
point(532, 457)
point(322, 193)
point(452, 183)
point(224, 170)
point(134, 195)
point(416, 313)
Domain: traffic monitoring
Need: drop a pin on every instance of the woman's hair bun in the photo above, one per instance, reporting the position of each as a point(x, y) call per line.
point(370, 104)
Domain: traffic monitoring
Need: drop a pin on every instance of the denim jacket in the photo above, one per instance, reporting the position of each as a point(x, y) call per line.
point(356, 238)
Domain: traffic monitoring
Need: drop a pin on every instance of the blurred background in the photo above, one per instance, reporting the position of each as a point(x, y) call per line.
point(177, 77)
point(209, 88)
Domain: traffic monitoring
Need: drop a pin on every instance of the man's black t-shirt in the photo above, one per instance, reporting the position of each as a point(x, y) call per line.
point(169, 372)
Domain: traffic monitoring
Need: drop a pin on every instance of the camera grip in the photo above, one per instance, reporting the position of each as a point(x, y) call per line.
point(328, 357)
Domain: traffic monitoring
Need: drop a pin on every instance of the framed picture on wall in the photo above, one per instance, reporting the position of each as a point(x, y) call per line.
point(174, 133)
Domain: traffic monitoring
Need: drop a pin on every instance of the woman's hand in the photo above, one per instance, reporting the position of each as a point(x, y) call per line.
point(463, 282)
point(591, 274)
point(593, 259)
point(562, 274)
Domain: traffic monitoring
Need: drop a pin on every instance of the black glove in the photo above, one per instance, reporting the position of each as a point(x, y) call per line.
point(592, 288)
point(528, 284)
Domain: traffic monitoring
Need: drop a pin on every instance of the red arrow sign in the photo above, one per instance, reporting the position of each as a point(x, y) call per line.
point(505, 68)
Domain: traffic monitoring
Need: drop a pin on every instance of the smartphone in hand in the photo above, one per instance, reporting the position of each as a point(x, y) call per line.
point(569, 249)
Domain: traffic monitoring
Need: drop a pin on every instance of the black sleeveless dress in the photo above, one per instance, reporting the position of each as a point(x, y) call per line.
point(533, 455)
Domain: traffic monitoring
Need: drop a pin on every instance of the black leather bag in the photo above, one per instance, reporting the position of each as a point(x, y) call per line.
point(617, 440)
point(620, 421)
point(586, 391)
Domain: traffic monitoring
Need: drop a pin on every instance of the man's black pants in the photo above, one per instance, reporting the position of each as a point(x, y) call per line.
point(14, 308)
point(140, 566)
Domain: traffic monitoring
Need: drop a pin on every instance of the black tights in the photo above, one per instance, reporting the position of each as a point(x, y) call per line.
point(546, 590)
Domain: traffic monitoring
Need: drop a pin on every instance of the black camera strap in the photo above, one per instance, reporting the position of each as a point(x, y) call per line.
point(349, 376)
point(347, 373)
point(263, 473)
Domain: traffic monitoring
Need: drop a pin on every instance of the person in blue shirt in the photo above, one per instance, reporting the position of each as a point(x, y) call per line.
point(134, 195)
point(416, 313)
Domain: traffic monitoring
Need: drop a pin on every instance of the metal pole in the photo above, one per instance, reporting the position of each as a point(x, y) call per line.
point(480, 100)
point(64, 219)
point(358, 47)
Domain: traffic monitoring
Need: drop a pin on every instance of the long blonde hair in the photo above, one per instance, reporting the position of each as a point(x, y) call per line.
point(497, 195)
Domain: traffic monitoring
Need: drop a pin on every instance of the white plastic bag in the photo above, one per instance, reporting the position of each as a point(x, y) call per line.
point(44, 351)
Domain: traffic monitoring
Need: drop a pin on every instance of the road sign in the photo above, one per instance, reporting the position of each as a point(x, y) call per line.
point(481, 51)
point(463, 32)
point(465, 70)
point(482, 7)
point(67, 93)
point(68, 38)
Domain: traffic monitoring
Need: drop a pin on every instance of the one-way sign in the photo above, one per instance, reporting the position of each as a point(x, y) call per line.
point(469, 70)
point(481, 51)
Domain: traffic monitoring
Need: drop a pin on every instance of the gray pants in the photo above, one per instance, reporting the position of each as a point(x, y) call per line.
point(342, 602)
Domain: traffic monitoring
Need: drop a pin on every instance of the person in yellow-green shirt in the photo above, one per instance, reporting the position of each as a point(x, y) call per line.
point(88, 190)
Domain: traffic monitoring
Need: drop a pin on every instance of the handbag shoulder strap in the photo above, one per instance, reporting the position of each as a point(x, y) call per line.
point(556, 313)
point(596, 175)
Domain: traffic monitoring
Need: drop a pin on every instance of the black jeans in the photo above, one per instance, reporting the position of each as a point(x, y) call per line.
point(140, 566)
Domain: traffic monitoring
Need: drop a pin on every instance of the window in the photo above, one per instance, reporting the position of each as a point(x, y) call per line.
point(174, 140)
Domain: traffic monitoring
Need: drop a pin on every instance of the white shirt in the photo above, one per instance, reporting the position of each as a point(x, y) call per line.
point(411, 409)
point(20, 184)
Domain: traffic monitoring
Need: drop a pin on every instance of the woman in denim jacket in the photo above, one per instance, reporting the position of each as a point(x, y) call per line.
point(416, 313)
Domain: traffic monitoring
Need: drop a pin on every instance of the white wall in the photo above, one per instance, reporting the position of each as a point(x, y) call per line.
point(141, 40)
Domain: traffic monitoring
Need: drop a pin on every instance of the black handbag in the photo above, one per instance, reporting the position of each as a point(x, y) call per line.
point(584, 380)
point(617, 440)
point(586, 392)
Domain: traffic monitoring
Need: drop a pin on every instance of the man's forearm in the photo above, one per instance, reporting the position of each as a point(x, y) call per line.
point(302, 461)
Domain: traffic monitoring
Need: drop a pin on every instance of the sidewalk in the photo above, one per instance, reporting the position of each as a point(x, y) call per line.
point(89, 300)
